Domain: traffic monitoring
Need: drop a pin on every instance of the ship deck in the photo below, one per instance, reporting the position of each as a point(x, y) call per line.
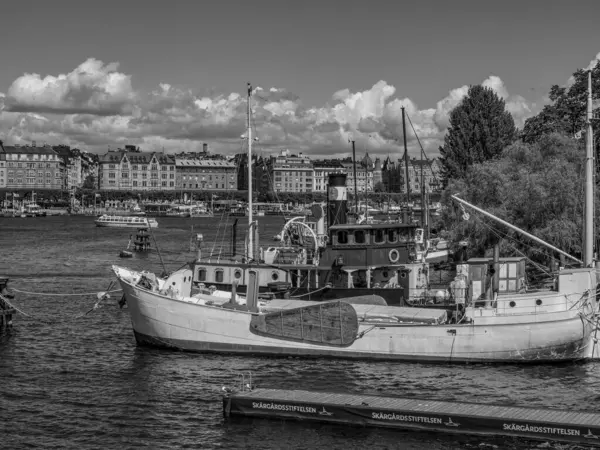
point(582, 427)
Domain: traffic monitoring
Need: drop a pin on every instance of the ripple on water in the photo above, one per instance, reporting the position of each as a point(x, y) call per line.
point(72, 382)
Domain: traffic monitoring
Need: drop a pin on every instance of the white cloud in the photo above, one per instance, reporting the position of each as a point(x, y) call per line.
point(93, 87)
point(100, 107)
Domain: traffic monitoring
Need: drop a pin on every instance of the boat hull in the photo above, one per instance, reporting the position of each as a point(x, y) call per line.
point(169, 323)
point(125, 225)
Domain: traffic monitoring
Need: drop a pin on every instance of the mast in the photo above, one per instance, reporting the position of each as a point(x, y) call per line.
point(250, 249)
point(517, 229)
point(588, 240)
point(405, 158)
point(355, 184)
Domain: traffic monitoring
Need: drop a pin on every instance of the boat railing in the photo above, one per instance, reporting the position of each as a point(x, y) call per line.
point(509, 303)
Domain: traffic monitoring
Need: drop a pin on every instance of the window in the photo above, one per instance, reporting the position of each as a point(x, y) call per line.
point(359, 237)
point(392, 236)
point(379, 236)
point(111, 175)
point(219, 275)
point(342, 237)
point(201, 274)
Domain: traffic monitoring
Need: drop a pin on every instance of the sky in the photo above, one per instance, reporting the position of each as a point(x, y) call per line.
point(171, 75)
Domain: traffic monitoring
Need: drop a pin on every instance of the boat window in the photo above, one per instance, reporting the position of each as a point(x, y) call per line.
point(405, 236)
point(379, 236)
point(202, 274)
point(219, 275)
point(392, 236)
point(237, 274)
point(359, 237)
point(342, 237)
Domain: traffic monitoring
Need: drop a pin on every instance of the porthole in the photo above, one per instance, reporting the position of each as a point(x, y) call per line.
point(512, 304)
point(274, 276)
point(403, 275)
point(237, 274)
point(538, 301)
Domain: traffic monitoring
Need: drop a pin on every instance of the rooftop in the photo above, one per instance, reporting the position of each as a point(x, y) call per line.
point(203, 163)
point(28, 150)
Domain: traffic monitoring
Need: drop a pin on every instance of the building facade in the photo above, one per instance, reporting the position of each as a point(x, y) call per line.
point(31, 167)
point(322, 169)
point(205, 175)
point(423, 173)
point(291, 173)
point(123, 170)
point(2, 170)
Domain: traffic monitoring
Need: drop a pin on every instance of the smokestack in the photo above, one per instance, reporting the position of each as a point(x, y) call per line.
point(205, 148)
point(336, 199)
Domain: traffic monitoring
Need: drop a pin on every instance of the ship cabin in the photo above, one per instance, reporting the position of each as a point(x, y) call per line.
point(357, 256)
point(376, 255)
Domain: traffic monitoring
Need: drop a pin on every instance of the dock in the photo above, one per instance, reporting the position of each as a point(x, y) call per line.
point(582, 427)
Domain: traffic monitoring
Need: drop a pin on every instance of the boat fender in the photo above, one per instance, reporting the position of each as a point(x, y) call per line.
point(394, 255)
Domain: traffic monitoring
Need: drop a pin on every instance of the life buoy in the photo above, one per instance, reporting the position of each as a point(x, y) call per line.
point(394, 255)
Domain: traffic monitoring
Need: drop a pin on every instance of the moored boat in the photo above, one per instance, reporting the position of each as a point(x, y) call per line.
point(125, 221)
point(557, 327)
point(508, 326)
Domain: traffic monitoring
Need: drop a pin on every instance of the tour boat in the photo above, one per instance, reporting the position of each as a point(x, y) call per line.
point(125, 221)
point(511, 325)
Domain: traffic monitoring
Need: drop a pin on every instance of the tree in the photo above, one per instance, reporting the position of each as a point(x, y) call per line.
point(480, 127)
point(567, 112)
point(536, 187)
point(379, 187)
point(89, 182)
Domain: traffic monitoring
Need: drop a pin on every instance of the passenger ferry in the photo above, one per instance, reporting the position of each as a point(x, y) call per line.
point(125, 221)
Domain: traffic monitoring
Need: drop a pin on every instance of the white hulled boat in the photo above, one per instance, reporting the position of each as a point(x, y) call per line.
point(107, 220)
point(556, 325)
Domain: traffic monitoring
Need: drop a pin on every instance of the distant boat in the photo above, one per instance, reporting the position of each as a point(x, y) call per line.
point(125, 221)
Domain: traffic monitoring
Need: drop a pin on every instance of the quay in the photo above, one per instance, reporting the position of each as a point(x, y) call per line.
point(582, 427)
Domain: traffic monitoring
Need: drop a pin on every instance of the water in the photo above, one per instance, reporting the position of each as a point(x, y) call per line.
point(68, 382)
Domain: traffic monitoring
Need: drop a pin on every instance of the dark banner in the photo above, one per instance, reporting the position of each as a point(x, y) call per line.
point(456, 423)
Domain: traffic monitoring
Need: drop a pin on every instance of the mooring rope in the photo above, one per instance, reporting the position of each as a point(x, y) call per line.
point(312, 292)
point(101, 295)
point(63, 295)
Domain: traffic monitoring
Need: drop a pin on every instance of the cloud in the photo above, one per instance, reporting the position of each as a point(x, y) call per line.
point(95, 106)
point(92, 88)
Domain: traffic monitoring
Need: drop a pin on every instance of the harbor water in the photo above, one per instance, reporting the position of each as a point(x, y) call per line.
point(71, 376)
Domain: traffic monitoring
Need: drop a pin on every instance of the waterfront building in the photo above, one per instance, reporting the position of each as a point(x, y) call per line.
point(2, 169)
point(205, 175)
point(393, 175)
point(322, 169)
point(31, 167)
point(70, 166)
point(428, 170)
point(132, 170)
point(291, 173)
point(363, 182)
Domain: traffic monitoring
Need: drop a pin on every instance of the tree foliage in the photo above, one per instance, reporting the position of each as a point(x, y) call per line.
point(536, 187)
point(480, 127)
point(567, 112)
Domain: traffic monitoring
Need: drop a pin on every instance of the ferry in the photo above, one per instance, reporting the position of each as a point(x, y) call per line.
point(125, 221)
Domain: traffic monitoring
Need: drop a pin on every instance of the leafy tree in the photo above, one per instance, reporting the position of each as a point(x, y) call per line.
point(567, 112)
point(379, 187)
point(536, 187)
point(480, 127)
point(89, 182)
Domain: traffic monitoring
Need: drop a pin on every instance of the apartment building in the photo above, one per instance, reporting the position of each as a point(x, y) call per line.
point(30, 167)
point(205, 175)
point(133, 170)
